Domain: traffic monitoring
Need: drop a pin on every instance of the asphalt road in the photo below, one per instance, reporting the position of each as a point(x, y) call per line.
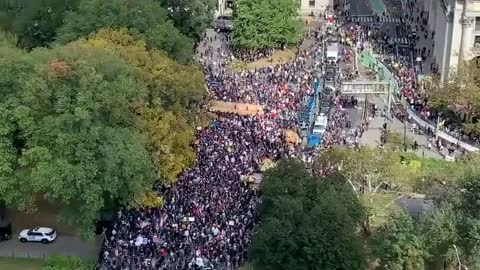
point(63, 245)
point(364, 11)
point(360, 7)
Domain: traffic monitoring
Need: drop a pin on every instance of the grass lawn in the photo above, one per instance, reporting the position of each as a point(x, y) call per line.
point(247, 266)
point(278, 57)
point(20, 264)
point(433, 164)
point(380, 205)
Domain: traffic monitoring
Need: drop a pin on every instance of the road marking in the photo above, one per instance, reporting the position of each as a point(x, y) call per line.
point(382, 19)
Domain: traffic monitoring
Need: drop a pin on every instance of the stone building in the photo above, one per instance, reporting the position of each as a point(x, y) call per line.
point(456, 24)
point(315, 6)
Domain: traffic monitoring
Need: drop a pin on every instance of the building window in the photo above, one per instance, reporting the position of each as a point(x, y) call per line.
point(311, 3)
point(477, 23)
point(477, 61)
point(476, 44)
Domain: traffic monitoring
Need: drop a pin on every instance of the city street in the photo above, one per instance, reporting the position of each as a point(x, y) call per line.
point(63, 245)
point(395, 27)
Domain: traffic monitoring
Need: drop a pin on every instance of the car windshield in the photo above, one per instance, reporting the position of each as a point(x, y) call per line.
point(50, 233)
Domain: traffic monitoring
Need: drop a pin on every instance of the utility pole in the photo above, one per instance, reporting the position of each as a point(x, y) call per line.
point(437, 129)
point(389, 102)
point(405, 135)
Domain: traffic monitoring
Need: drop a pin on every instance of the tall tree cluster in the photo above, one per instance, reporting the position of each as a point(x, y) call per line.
point(446, 238)
point(170, 26)
point(459, 94)
point(307, 222)
point(108, 110)
point(266, 24)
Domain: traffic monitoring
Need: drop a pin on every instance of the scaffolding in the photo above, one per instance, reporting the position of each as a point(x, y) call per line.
point(367, 88)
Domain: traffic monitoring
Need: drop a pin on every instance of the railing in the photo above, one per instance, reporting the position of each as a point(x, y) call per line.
point(442, 134)
point(308, 115)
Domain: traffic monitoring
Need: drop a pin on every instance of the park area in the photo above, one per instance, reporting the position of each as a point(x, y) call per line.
point(279, 57)
point(20, 264)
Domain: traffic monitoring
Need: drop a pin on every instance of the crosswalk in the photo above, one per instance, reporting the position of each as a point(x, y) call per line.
point(399, 41)
point(367, 19)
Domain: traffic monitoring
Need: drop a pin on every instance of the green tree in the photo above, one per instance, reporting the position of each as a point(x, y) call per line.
point(66, 263)
point(261, 24)
point(398, 245)
point(470, 199)
point(307, 223)
point(70, 135)
point(14, 67)
point(144, 18)
point(439, 231)
point(370, 171)
point(459, 93)
point(35, 22)
point(191, 17)
point(166, 116)
point(449, 234)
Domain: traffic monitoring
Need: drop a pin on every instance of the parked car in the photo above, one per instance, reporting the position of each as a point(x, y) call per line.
point(38, 234)
point(5, 231)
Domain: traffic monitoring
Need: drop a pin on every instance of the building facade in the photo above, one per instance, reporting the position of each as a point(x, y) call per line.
point(317, 7)
point(456, 24)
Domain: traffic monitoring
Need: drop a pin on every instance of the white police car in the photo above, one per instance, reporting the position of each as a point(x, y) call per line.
point(38, 234)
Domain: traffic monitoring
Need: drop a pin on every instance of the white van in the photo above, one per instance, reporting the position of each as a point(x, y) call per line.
point(332, 54)
point(320, 124)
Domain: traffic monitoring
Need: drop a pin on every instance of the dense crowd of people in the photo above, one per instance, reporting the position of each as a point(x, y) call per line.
point(209, 216)
point(404, 73)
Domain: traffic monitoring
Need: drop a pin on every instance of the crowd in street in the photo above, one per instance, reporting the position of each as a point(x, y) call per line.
point(340, 130)
point(404, 73)
point(209, 216)
point(280, 89)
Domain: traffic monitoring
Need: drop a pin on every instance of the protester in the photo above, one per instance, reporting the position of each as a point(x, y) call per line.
point(399, 63)
point(209, 216)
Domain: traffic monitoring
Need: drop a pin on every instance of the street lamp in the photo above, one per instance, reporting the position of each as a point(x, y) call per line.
point(405, 135)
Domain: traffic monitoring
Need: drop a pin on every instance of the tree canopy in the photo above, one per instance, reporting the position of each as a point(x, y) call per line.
point(264, 24)
point(307, 223)
point(105, 109)
point(191, 17)
point(145, 18)
point(398, 245)
point(448, 235)
point(94, 123)
point(459, 93)
point(70, 136)
point(166, 115)
point(34, 22)
point(370, 171)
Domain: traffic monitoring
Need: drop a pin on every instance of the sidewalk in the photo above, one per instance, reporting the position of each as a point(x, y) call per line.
point(424, 38)
point(371, 137)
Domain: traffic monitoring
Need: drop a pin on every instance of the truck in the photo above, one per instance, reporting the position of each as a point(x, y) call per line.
point(332, 53)
point(320, 124)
